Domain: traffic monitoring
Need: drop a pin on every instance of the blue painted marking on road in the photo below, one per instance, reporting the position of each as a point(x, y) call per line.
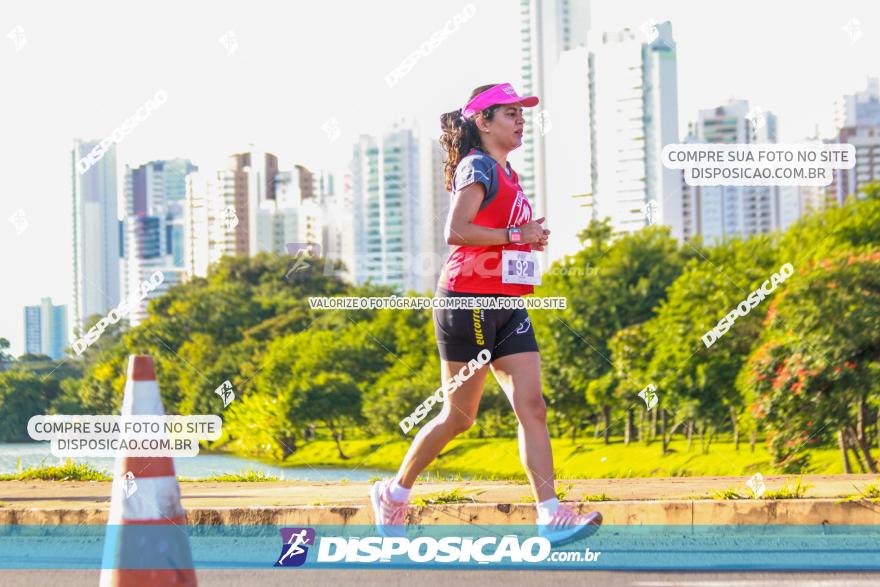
point(631, 548)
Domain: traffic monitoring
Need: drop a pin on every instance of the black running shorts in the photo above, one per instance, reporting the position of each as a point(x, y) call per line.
point(462, 333)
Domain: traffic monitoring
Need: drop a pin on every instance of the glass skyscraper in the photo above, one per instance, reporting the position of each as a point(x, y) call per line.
point(96, 245)
point(45, 329)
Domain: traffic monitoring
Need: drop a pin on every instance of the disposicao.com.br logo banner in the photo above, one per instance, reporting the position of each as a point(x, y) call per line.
point(426, 545)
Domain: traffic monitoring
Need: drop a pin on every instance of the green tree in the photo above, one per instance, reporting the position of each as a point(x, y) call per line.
point(257, 425)
point(23, 395)
point(631, 355)
point(5, 357)
point(330, 398)
point(694, 381)
point(814, 374)
point(851, 227)
point(624, 281)
point(45, 365)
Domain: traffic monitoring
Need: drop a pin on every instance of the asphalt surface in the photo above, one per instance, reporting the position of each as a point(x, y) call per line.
point(362, 578)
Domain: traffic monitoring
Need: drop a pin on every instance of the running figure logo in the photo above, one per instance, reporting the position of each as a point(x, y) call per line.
point(650, 210)
point(230, 218)
point(756, 484)
point(225, 392)
point(649, 396)
point(300, 252)
point(128, 485)
point(295, 548)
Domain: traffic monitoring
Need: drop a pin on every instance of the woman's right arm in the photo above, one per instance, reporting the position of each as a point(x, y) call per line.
point(460, 229)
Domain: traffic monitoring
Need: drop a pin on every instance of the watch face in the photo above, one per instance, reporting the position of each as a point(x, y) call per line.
point(515, 236)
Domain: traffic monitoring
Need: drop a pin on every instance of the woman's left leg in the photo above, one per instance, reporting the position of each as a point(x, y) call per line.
point(519, 375)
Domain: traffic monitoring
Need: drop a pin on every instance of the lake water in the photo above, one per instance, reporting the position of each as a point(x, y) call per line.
point(203, 465)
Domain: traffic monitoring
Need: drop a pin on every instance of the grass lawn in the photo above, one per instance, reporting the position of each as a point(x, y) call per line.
point(67, 471)
point(498, 458)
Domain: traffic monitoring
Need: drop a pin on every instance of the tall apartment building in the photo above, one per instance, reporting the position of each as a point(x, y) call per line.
point(339, 213)
point(296, 214)
point(211, 221)
point(154, 227)
point(568, 138)
point(222, 210)
point(436, 202)
point(857, 117)
point(399, 213)
point(794, 202)
point(633, 115)
point(255, 172)
point(547, 28)
point(845, 182)
point(96, 234)
point(45, 329)
point(719, 212)
point(859, 109)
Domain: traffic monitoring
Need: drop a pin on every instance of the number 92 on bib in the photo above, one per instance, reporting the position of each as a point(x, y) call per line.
point(520, 267)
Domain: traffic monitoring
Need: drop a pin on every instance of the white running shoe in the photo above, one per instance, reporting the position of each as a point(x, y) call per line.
point(389, 514)
point(565, 526)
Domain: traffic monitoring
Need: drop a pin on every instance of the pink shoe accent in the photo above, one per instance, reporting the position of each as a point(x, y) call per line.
point(390, 515)
point(563, 516)
point(565, 525)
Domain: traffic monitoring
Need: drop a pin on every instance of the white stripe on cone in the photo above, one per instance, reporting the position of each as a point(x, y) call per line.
point(156, 498)
point(142, 398)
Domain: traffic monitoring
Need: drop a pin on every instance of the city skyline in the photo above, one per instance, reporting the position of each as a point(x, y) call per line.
point(40, 183)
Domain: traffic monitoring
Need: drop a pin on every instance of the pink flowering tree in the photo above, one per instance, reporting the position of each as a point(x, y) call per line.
point(815, 373)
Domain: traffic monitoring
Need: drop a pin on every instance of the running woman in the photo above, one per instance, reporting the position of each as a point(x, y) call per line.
point(491, 227)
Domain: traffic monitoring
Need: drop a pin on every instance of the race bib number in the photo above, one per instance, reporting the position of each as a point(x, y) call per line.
point(520, 267)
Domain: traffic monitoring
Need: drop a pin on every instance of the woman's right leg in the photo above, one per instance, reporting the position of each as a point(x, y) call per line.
point(458, 414)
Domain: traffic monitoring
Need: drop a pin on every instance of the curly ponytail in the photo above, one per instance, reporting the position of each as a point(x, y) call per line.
point(460, 135)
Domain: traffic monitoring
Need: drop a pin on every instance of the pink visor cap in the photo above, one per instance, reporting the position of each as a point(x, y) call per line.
point(500, 94)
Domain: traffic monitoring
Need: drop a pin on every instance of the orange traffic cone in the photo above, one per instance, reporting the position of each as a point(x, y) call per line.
point(146, 541)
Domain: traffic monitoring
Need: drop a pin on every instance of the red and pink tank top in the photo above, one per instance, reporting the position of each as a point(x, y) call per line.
point(477, 269)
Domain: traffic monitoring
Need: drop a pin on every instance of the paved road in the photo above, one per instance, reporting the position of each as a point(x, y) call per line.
point(361, 578)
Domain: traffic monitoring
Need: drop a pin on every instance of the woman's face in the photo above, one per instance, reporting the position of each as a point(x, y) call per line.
point(505, 130)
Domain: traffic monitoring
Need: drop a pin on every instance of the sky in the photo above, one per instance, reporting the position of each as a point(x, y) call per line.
point(295, 65)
